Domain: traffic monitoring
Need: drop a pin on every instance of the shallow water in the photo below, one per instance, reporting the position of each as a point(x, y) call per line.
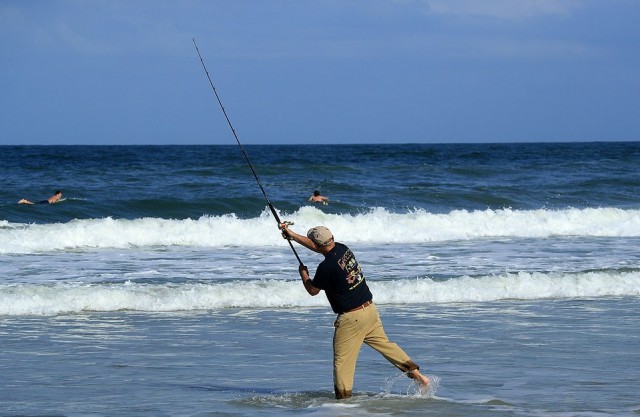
point(576, 357)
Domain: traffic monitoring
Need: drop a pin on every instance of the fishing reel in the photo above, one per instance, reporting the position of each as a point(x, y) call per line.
point(284, 233)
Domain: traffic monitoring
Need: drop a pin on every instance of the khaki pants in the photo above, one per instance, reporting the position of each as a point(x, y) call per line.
point(351, 329)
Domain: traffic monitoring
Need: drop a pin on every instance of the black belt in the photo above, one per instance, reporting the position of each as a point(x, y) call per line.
point(362, 306)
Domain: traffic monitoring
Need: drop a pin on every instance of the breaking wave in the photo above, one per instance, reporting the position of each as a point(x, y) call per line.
point(377, 226)
point(59, 298)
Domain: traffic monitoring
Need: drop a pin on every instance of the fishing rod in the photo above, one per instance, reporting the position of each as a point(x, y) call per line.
point(246, 157)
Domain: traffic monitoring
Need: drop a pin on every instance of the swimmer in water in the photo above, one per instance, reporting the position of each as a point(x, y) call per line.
point(317, 198)
point(51, 200)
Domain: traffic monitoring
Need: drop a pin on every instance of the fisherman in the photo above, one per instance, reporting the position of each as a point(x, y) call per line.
point(51, 200)
point(358, 321)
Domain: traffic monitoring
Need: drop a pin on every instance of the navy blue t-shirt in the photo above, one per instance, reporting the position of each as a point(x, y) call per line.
point(341, 278)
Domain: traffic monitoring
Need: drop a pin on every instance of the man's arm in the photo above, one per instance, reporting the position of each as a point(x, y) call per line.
point(303, 240)
point(304, 274)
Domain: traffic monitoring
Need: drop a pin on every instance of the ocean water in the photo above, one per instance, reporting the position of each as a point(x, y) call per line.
point(161, 285)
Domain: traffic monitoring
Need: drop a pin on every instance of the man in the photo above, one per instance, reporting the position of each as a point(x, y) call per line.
point(317, 198)
point(358, 321)
point(51, 200)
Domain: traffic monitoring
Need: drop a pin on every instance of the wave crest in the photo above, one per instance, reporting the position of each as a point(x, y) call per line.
point(52, 299)
point(377, 226)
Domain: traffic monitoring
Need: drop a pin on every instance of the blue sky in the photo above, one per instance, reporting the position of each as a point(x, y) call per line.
point(325, 71)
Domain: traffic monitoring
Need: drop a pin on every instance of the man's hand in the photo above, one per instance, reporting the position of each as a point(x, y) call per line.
point(284, 227)
point(304, 274)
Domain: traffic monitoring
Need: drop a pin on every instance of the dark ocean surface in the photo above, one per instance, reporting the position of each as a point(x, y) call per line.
point(181, 182)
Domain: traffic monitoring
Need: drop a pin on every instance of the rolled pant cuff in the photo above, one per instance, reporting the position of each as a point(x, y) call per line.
point(409, 367)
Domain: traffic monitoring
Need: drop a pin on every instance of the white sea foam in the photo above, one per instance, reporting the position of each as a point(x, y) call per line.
point(51, 299)
point(376, 226)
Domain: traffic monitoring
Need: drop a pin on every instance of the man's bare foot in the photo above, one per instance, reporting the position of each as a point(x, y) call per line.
point(420, 379)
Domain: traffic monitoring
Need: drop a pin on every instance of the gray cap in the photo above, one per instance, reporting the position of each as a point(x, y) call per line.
point(320, 235)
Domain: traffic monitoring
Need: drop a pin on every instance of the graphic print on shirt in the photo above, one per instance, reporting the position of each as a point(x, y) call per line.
point(353, 271)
